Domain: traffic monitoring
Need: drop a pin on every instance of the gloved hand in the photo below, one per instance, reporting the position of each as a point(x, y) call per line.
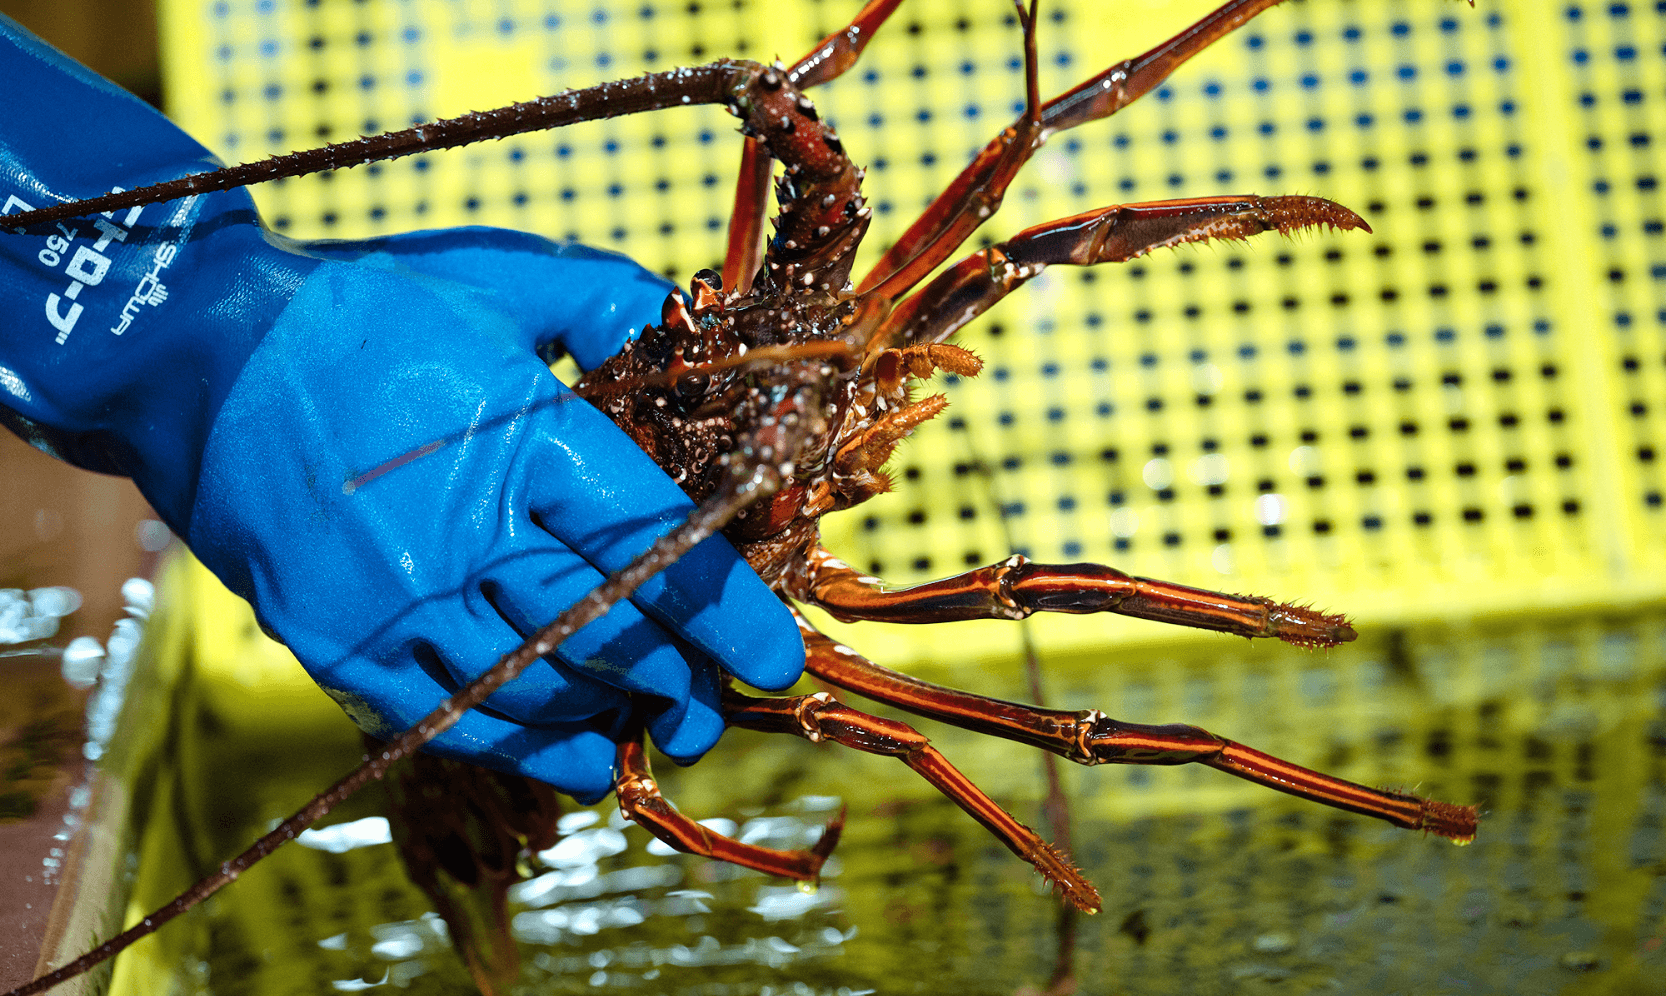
point(361, 440)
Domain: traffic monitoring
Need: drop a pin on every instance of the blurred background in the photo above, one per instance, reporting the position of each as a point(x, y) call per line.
point(1449, 429)
point(60, 526)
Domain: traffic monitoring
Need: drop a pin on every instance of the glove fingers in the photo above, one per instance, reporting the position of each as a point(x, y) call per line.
point(587, 301)
point(598, 668)
point(685, 733)
point(575, 757)
point(623, 649)
point(765, 652)
point(546, 692)
point(610, 506)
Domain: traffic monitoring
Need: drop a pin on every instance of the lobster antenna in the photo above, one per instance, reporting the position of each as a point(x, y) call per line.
point(714, 83)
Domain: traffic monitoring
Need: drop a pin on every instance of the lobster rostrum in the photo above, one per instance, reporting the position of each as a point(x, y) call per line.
point(775, 392)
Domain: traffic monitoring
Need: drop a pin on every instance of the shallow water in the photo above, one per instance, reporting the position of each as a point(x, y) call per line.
point(1210, 885)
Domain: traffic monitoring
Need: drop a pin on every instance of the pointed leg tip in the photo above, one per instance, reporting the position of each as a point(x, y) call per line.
point(1061, 873)
point(1454, 822)
point(1306, 627)
point(1293, 212)
point(1350, 220)
point(823, 848)
point(1081, 895)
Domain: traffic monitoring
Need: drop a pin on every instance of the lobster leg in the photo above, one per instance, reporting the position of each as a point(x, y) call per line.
point(641, 803)
point(976, 193)
point(745, 252)
point(820, 717)
point(1113, 234)
point(1015, 588)
point(1090, 737)
point(840, 50)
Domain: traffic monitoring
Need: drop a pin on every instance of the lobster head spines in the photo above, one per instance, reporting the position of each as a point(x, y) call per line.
point(822, 213)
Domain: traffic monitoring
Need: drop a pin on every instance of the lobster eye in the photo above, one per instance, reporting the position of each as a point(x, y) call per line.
point(711, 278)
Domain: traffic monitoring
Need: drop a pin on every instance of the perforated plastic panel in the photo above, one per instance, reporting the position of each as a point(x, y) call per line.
point(1459, 413)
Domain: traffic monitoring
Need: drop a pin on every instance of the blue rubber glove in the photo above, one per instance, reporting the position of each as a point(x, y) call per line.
point(361, 439)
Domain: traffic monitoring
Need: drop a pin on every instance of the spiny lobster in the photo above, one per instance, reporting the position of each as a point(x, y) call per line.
point(777, 391)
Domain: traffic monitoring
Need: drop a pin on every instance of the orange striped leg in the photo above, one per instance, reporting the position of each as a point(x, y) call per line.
point(821, 717)
point(641, 803)
point(1015, 588)
point(746, 219)
point(1090, 737)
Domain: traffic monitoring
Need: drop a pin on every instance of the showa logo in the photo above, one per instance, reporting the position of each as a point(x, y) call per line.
point(86, 265)
point(151, 290)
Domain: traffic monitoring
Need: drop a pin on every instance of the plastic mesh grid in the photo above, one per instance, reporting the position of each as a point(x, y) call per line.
point(1460, 413)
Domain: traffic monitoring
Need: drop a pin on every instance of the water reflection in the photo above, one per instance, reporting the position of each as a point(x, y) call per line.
point(587, 882)
point(344, 837)
point(1210, 886)
point(607, 880)
point(707, 952)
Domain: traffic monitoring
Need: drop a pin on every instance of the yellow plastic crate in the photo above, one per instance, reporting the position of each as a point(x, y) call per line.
point(1449, 429)
point(1459, 414)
